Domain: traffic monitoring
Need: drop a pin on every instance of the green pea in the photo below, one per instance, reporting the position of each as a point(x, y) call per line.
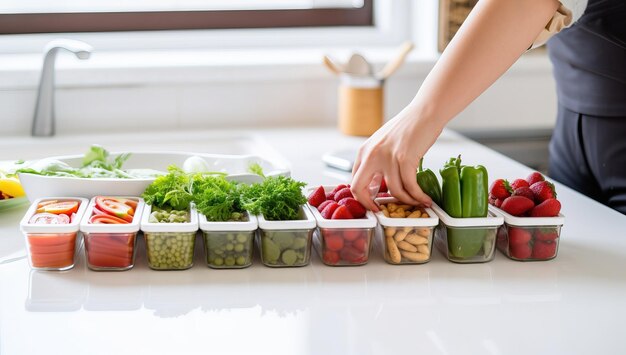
point(289, 257)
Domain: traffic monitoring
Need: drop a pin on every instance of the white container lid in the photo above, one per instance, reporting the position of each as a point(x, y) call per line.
point(307, 223)
point(368, 222)
point(491, 220)
point(528, 221)
point(132, 227)
point(72, 227)
point(230, 226)
point(385, 221)
point(186, 227)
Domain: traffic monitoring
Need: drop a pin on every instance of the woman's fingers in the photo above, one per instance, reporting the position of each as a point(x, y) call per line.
point(360, 187)
point(397, 190)
point(408, 173)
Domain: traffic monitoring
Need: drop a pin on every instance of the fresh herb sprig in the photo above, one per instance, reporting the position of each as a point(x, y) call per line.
point(217, 198)
point(171, 190)
point(278, 198)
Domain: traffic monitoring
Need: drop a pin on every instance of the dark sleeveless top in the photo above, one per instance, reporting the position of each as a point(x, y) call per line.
point(589, 60)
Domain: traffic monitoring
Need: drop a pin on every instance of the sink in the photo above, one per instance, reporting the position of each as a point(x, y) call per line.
point(222, 142)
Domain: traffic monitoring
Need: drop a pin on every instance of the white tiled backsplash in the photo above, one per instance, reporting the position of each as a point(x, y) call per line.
point(523, 98)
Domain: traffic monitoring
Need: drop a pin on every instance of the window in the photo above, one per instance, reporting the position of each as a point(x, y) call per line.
point(45, 16)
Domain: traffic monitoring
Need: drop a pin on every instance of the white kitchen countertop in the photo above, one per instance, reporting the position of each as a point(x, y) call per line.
point(574, 304)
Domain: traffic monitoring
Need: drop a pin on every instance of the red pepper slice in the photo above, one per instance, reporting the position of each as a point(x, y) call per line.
point(115, 208)
point(106, 219)
point(62, 207)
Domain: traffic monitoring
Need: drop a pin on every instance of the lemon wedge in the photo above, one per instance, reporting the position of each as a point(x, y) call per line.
point(12, 187)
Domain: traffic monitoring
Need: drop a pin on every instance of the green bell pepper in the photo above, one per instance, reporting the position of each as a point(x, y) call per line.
point(428, 182)
point(451, 188)
point(465, 195)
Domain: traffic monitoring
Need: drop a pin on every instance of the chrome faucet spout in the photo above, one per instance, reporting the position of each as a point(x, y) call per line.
point(43, 120)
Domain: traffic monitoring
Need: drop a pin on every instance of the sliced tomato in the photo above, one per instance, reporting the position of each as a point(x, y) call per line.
point(49, 218)
point(47, 202)
point(106, 219)
point(114, 207)
point(62, 207)
point(130, 202)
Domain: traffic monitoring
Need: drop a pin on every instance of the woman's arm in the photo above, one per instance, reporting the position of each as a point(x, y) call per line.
point(492, 38)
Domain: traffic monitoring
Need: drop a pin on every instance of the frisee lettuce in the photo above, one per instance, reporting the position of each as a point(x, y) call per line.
point(217, 198)
point(278, 198)
point(173, 190)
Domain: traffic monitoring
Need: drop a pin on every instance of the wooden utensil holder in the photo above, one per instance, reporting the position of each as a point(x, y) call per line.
point(360, 106)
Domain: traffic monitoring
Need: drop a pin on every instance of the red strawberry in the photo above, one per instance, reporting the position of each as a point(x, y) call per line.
point(524, 191)
point(519, 236)
point(331, 195)
point(519, 183)
point(492, 200)
point(351, 235)
point(383, 186)
point(360, 244)
point(355, 207)
point(342, 212)
point(548, 208)
point(333, 242)
point(317, 197)
point(328, 211)
point(500, 188)
point(543, 190)
point(331, 257)
point(383, 194)
point(520, 251)
point(343, 193)
point(534, 177)
point(546, 234)
point(352, 255)
point(498, 203)
point(324, 204)
point(544, 250)
point(517, 205)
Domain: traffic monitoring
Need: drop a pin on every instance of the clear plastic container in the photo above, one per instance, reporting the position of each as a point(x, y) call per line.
point(528, 238)
point(286, 243)
point(169, 246)
point(53, 246)
point(406, 240)
point(229, 245)
point(466, 240)
point(343, 242)
point(111, 247)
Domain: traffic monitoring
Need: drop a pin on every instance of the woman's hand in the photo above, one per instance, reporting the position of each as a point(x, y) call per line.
point(494, 35)
point(393, 153)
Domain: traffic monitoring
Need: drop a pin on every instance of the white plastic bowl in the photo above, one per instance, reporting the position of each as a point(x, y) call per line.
point(236, 166)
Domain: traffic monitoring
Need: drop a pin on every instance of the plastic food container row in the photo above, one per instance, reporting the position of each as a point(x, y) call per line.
point(170, 246)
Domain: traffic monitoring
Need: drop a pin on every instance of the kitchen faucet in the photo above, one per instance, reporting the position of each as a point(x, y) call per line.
point(43, 120)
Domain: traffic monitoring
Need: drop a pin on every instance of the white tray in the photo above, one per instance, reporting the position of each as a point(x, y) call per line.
point(236, 166)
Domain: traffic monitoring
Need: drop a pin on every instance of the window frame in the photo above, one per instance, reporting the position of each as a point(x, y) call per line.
point(31, 23)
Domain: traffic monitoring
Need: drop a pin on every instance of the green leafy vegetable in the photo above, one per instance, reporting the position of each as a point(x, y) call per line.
point(255, 168)
point(97, 163)
point(217, 198)
point(278, 198)
point(173, 190)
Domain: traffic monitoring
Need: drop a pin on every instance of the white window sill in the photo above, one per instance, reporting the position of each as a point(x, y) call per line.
point(106, 69)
